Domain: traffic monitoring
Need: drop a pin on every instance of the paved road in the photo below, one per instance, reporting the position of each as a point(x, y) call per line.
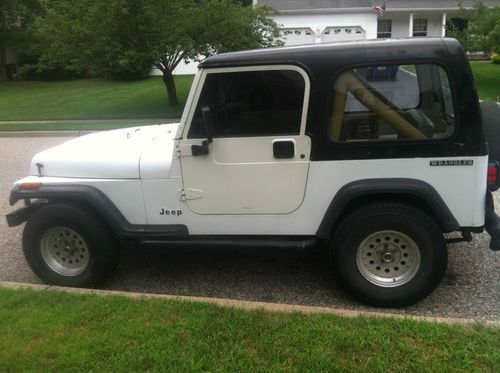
point(471, 288)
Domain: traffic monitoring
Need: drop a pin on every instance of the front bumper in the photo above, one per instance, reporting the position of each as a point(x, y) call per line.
point(492, 222)
point(22, 214)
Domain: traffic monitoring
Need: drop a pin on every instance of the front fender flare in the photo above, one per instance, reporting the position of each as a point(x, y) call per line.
point(96, 199)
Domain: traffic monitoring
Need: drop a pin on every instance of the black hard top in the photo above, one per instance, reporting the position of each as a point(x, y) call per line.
point(321, 59)
point(323, 62)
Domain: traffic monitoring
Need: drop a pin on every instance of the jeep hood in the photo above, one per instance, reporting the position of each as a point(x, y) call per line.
point(114, 154)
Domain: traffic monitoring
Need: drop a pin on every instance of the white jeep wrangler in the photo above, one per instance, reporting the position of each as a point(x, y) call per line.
point(374, 149)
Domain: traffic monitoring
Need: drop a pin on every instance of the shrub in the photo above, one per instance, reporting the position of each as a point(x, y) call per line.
point(34, 72)
point(32, 68)
point(495, 58)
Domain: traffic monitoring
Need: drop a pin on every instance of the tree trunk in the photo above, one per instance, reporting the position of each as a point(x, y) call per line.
point(3, 62)
point(168, 79)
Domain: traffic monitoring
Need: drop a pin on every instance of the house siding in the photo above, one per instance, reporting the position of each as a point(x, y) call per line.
point(400, 23)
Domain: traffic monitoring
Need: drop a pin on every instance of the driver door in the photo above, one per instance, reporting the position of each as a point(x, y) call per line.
point(258, 160)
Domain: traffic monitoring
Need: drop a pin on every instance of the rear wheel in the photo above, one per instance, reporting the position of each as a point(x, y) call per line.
point(389, 254)
point(68, 246)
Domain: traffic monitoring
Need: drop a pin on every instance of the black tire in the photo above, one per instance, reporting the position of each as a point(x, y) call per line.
point(101, 249)
point(402, 222)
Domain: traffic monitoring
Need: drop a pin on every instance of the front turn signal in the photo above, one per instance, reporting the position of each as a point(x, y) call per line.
point(31, 186)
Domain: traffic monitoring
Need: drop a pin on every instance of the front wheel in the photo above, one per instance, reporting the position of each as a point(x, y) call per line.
point(67, 245)
point(389, 254)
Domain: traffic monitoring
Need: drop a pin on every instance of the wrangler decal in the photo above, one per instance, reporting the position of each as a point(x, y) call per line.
point(457, 162)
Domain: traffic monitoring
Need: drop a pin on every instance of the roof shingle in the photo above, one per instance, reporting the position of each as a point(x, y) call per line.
point(285, 5)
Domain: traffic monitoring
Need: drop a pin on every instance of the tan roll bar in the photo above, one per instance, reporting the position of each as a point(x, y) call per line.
point(368, 96)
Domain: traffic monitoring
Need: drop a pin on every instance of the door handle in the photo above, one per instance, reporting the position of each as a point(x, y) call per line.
point(284, 149)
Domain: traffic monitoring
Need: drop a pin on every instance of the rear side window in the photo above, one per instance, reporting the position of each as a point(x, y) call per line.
point(251, 103)
point(391, 103)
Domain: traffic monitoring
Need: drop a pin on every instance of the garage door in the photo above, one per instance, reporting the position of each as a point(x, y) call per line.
point(296, 36)
point(342, 33)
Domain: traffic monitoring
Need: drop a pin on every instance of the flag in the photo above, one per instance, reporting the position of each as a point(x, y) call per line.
point(380, 10)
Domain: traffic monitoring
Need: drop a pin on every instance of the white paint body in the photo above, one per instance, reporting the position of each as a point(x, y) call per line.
point(140, 200)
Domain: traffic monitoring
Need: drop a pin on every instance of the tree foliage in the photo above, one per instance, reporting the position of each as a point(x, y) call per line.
point(482, 27)
point(124, 38)
point(15, 18)
point(61, 39)
point(196, 29)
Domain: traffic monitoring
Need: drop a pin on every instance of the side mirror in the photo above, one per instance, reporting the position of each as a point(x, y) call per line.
point(208, 123)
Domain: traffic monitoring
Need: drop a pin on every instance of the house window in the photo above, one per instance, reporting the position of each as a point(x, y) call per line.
point(392, 103)
point(420, 27)
point(384, 28)
point(251, 103)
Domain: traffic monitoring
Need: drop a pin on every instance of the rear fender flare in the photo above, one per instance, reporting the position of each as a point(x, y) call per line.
point(398, 188)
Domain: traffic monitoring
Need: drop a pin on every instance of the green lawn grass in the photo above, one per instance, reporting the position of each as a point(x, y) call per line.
point(43, 331)
point(487, 78)
point(90, 99)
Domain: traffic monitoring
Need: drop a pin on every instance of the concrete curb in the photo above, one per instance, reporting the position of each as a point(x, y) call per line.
point(248, 305)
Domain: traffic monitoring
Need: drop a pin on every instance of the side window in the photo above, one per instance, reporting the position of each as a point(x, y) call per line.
point(251, 103)
point(392, 102)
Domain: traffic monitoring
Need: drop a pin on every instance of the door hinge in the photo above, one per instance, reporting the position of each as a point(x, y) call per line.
point(188, 194)
point(181, 195)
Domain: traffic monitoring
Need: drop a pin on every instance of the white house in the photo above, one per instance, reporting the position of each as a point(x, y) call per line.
point(317, 21)
point(320, 21)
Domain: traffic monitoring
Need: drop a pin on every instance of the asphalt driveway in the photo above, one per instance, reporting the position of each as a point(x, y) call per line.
point(471, 288)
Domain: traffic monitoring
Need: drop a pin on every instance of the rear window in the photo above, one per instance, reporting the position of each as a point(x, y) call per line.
point(391, 103)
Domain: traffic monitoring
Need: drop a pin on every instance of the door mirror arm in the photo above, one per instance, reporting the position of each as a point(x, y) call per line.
point(202, 149)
